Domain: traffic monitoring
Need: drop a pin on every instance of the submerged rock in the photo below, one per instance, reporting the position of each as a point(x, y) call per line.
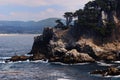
point(18, 58)
point(111, 71)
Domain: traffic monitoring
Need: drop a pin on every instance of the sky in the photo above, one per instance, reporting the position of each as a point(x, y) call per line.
point(35, 10)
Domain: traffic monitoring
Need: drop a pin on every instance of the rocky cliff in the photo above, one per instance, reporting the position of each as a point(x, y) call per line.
point(95, 35)
point(59, 45)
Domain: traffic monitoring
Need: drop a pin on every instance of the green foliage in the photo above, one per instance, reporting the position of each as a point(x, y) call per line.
point(101, 31)
point(90, 18)
point(107, 30)
point(110, 28)
point(59, 24)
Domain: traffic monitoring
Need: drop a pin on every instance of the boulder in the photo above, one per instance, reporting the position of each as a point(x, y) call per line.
point(83, 57)
point(23, 58)
point(18, 58)
point(86, 46)
point(15, 58)
point(73, 56)
point(59, 51)
point(38, 56)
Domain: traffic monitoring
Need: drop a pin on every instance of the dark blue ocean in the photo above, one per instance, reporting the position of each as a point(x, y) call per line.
point(12, 44)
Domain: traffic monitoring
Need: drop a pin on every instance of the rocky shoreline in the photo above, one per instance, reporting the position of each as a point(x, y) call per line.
point(57, 45)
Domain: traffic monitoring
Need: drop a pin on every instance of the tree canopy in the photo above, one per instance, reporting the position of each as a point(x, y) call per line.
point(69, 18)
point(97, 15)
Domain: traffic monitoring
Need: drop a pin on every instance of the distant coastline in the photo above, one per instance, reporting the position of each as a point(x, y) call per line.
point(30, 27)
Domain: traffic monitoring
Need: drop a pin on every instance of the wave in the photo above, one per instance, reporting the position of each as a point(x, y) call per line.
point(36, 61)
point(60, 63)
point(118, 76)
point(81, 63)
point(3, 58)
point(8, 34)
point(63, 79)
point(104, 64)
point(116, 61)
point(2, 62)
point(99, 75)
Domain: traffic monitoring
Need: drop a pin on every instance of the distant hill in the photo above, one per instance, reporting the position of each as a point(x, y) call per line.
point(26, 27)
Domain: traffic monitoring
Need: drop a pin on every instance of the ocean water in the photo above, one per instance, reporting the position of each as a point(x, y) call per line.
point(39, 70)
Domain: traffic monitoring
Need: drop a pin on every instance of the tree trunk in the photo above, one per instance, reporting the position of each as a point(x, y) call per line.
point(67, 21)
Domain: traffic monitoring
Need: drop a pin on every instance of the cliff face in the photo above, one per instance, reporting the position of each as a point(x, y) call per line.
point(62, 46)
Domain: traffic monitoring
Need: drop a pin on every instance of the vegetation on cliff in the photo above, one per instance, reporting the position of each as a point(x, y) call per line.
point(98, 18)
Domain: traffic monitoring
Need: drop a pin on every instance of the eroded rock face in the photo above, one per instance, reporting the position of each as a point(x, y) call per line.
point(107, 52)
point(57, 48)
point(54, 46)
point(58, 45)
point(85, 47)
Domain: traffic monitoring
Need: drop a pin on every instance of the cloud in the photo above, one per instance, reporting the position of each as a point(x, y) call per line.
point(70, 4)
point(30, 3)
point(36, 3)
point(51, 13)
point(25, 16)
point(48, 7)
